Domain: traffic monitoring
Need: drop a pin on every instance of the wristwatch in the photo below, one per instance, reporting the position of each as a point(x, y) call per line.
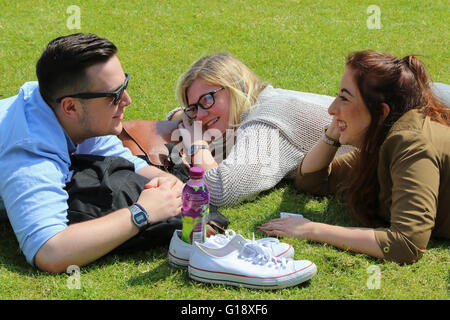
point(328, 140)
point(140, 216)
point(196, 147)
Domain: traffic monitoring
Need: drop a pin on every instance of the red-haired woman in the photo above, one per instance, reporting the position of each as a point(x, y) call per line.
point(397, 181)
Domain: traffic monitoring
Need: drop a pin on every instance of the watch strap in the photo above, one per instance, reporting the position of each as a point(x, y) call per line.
point(196, 147)
point(328, 140)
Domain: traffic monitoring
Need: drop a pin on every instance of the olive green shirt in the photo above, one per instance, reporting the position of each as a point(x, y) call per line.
point(414, 177)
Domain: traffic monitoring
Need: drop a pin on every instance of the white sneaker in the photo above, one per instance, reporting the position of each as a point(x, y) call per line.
point(249, 264)
point(180, 251)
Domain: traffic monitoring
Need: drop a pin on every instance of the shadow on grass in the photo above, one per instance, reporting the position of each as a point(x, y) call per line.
point(160, 272)
point(11, 256)
point(13, 260)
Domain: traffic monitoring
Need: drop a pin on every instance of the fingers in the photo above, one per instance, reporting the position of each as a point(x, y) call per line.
point(187, 122)
point(166, 181)
point(276, 223)
point(271, 226)
point(281, 227)
point(273, 230)
point(186, 136)
point(154, 183)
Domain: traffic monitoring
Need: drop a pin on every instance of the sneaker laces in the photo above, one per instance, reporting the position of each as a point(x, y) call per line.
point(223, 239)
point(259, 253)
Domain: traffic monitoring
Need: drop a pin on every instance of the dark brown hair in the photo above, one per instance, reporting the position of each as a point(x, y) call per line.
point(403, 84)
point(61, 67)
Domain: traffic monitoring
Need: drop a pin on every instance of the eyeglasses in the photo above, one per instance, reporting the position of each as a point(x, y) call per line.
point(117, 95)
point(205, 102)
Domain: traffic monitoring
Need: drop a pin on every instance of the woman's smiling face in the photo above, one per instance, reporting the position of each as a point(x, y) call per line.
point(216, 117)
point(350, 111)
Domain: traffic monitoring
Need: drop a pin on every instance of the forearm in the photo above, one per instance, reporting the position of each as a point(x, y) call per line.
point(360, 240)
point(321, 155)
point(82, 243)
point(153, 172)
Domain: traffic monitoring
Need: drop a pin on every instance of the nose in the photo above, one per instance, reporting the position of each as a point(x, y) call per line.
point(126, 99)
point(201, 114)
point(332, 109)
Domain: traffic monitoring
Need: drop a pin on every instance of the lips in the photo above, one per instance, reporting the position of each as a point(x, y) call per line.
point(120, 116)
point(341, 125)
point(211, 122)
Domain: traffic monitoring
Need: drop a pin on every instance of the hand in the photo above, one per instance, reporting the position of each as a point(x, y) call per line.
point(292, 227)
point(187, 131)
point(166, 180)
point(177, 116)
point(333, 131)
point(161, 198)
point(191, 131)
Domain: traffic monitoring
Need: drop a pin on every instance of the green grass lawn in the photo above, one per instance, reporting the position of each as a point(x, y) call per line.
point(297, 45)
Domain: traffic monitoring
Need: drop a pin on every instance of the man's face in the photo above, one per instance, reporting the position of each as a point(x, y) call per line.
point(100, 116)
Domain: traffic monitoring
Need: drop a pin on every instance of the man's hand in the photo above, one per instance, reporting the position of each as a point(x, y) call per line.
point(168, 180)
point(161, 198)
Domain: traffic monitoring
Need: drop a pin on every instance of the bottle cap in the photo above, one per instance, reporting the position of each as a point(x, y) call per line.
point(196, 172)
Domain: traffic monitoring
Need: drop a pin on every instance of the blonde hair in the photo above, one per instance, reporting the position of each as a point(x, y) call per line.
point(225, 70)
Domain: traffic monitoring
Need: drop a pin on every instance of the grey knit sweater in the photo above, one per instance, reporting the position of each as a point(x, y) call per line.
point(272, 139)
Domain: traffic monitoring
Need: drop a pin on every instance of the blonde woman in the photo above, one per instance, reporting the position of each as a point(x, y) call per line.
point(246, 134)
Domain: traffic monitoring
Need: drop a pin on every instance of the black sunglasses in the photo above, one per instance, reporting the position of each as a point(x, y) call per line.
point(206, 101)
point(117, 95)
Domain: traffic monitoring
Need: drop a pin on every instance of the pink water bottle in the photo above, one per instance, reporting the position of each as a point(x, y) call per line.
point(195, 210)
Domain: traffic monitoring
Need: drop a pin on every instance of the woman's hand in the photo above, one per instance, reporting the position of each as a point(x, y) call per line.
point(292, 227)
point(333, 130)
point(360, 240)
point(191, 131)
point(321, 155)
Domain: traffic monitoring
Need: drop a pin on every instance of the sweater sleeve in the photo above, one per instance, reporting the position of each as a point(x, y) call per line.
point(170, 115)
point(260, 159)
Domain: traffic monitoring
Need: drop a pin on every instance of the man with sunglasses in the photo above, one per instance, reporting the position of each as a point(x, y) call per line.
point(76, 107)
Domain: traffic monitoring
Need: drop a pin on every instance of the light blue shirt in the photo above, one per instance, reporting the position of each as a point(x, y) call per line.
point(34, 167)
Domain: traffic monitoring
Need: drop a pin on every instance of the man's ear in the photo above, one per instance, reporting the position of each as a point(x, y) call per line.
point(70, 107)
point(386, 110)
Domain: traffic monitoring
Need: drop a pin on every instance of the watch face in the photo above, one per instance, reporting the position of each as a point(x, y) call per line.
point(140, 218)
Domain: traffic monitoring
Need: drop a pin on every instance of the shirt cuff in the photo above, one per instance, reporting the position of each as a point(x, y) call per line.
point(139, 164)
point(396, 247)
point(36, 242)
